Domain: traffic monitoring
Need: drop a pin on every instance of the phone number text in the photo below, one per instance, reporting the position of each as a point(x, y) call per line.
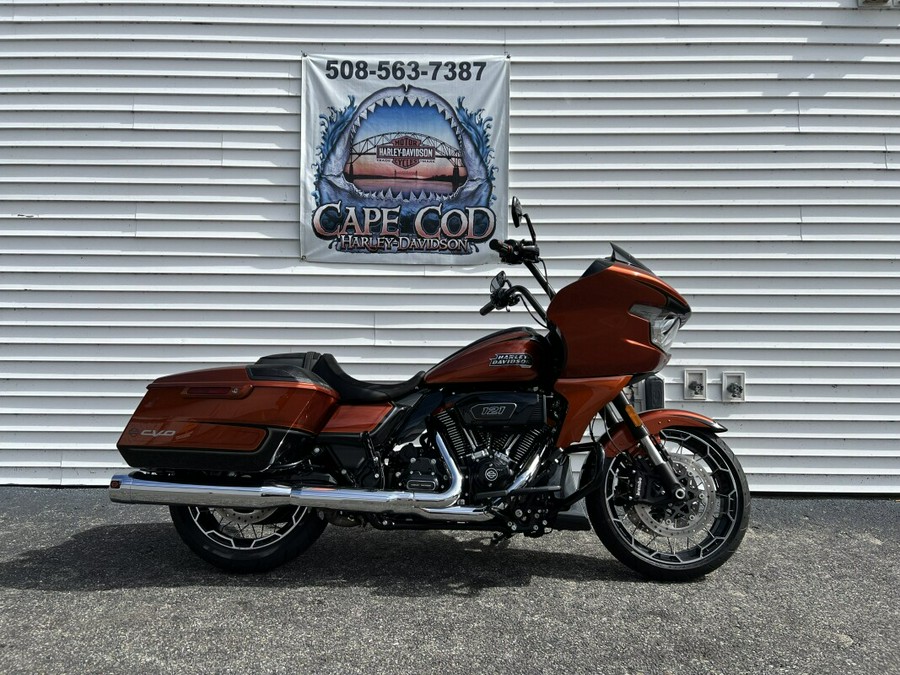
point(404, 70)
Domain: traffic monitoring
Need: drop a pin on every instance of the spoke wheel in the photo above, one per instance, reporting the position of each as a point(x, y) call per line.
point(247, 540)
point(681, 540)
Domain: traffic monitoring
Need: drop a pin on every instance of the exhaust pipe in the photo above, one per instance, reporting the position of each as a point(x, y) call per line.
point(129, 489)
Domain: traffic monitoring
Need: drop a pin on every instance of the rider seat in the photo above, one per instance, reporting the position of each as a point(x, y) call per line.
point(350, 389)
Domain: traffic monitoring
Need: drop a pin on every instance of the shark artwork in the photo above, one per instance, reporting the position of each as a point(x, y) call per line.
point(400, 174)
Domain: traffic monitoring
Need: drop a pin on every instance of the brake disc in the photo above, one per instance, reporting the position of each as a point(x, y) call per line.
point(683, 519)
point(243, 517)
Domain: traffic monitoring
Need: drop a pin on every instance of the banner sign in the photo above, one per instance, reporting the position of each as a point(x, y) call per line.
point(404, 160)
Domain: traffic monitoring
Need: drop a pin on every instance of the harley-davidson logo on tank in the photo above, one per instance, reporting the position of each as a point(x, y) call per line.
point(404, 159)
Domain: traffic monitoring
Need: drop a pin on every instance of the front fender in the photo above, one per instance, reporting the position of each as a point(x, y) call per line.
point(619, 438)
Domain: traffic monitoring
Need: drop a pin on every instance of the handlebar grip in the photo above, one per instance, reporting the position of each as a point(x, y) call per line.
point(507, 250)
point(487, 308)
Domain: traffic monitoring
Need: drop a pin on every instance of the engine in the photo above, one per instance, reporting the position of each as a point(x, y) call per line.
point(491, 435)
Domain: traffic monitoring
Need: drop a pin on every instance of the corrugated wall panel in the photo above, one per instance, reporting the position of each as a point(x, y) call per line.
point(747, 151)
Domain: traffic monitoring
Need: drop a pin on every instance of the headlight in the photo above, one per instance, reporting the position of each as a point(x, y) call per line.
point(664, 325)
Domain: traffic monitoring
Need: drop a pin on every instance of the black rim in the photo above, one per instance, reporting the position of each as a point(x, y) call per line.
point(684, 534)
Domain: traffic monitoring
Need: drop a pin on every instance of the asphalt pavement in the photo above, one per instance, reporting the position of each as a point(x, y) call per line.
point(87, 586)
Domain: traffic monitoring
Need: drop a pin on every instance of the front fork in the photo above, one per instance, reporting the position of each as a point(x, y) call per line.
point(626, 413)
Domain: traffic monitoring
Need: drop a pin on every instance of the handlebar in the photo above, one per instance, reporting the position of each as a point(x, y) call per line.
point(512, 296)
point(515, 252)
point(503, 248)
point(529, 252)
point(521, 252)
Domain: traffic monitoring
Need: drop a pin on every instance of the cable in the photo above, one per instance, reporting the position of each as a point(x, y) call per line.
point(538, 321)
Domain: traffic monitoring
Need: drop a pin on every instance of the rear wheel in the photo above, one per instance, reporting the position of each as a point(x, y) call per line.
point(247, 540)
point(681, 540)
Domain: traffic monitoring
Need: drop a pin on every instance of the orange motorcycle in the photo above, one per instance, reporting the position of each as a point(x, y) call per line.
point(255, 460)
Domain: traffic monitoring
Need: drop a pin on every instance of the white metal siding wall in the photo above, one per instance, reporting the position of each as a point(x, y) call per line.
point(747, 151)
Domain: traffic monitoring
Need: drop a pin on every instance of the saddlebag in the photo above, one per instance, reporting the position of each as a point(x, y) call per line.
point(240, 418)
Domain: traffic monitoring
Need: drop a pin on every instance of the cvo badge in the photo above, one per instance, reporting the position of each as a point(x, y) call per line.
point(153, 433)
point(521, 360)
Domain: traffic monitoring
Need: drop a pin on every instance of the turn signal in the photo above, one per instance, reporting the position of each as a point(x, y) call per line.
point(635, 418)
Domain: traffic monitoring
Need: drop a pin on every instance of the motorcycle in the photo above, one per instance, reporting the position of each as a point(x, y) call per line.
point(255, 460)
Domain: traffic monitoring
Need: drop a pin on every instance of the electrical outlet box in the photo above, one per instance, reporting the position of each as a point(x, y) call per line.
point(694, 384)
point(734, 386)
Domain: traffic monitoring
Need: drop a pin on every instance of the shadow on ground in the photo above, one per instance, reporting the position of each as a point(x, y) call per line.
point(401, 564)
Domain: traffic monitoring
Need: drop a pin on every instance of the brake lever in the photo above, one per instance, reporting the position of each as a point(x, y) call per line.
point(503, 299)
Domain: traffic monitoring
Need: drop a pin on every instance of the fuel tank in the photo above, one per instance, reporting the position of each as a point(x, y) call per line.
point(234, 418)
point(514, 355)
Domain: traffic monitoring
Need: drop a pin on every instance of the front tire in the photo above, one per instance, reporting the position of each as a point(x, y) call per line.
point(247, 540)
point(675, 542)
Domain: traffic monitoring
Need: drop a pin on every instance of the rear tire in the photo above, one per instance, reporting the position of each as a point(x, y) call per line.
point(247, 540)
point(677, 542)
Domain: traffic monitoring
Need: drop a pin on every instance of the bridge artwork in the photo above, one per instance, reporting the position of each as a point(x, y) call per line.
point(419, 157)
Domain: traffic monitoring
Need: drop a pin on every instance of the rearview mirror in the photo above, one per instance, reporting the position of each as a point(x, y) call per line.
point(516, 210)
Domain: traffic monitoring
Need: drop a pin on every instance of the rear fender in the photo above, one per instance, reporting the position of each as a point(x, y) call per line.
point(620, 438)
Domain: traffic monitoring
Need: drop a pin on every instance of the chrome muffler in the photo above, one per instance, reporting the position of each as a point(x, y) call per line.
point(129, 489)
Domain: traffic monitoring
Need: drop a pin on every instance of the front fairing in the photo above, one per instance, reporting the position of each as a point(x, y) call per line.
point(594, 317)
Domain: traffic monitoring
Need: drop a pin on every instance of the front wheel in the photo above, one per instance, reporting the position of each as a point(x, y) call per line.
point(247, 540)
point(682, 540)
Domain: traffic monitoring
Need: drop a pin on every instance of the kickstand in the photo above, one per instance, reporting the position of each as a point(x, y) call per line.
point(500, 540)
